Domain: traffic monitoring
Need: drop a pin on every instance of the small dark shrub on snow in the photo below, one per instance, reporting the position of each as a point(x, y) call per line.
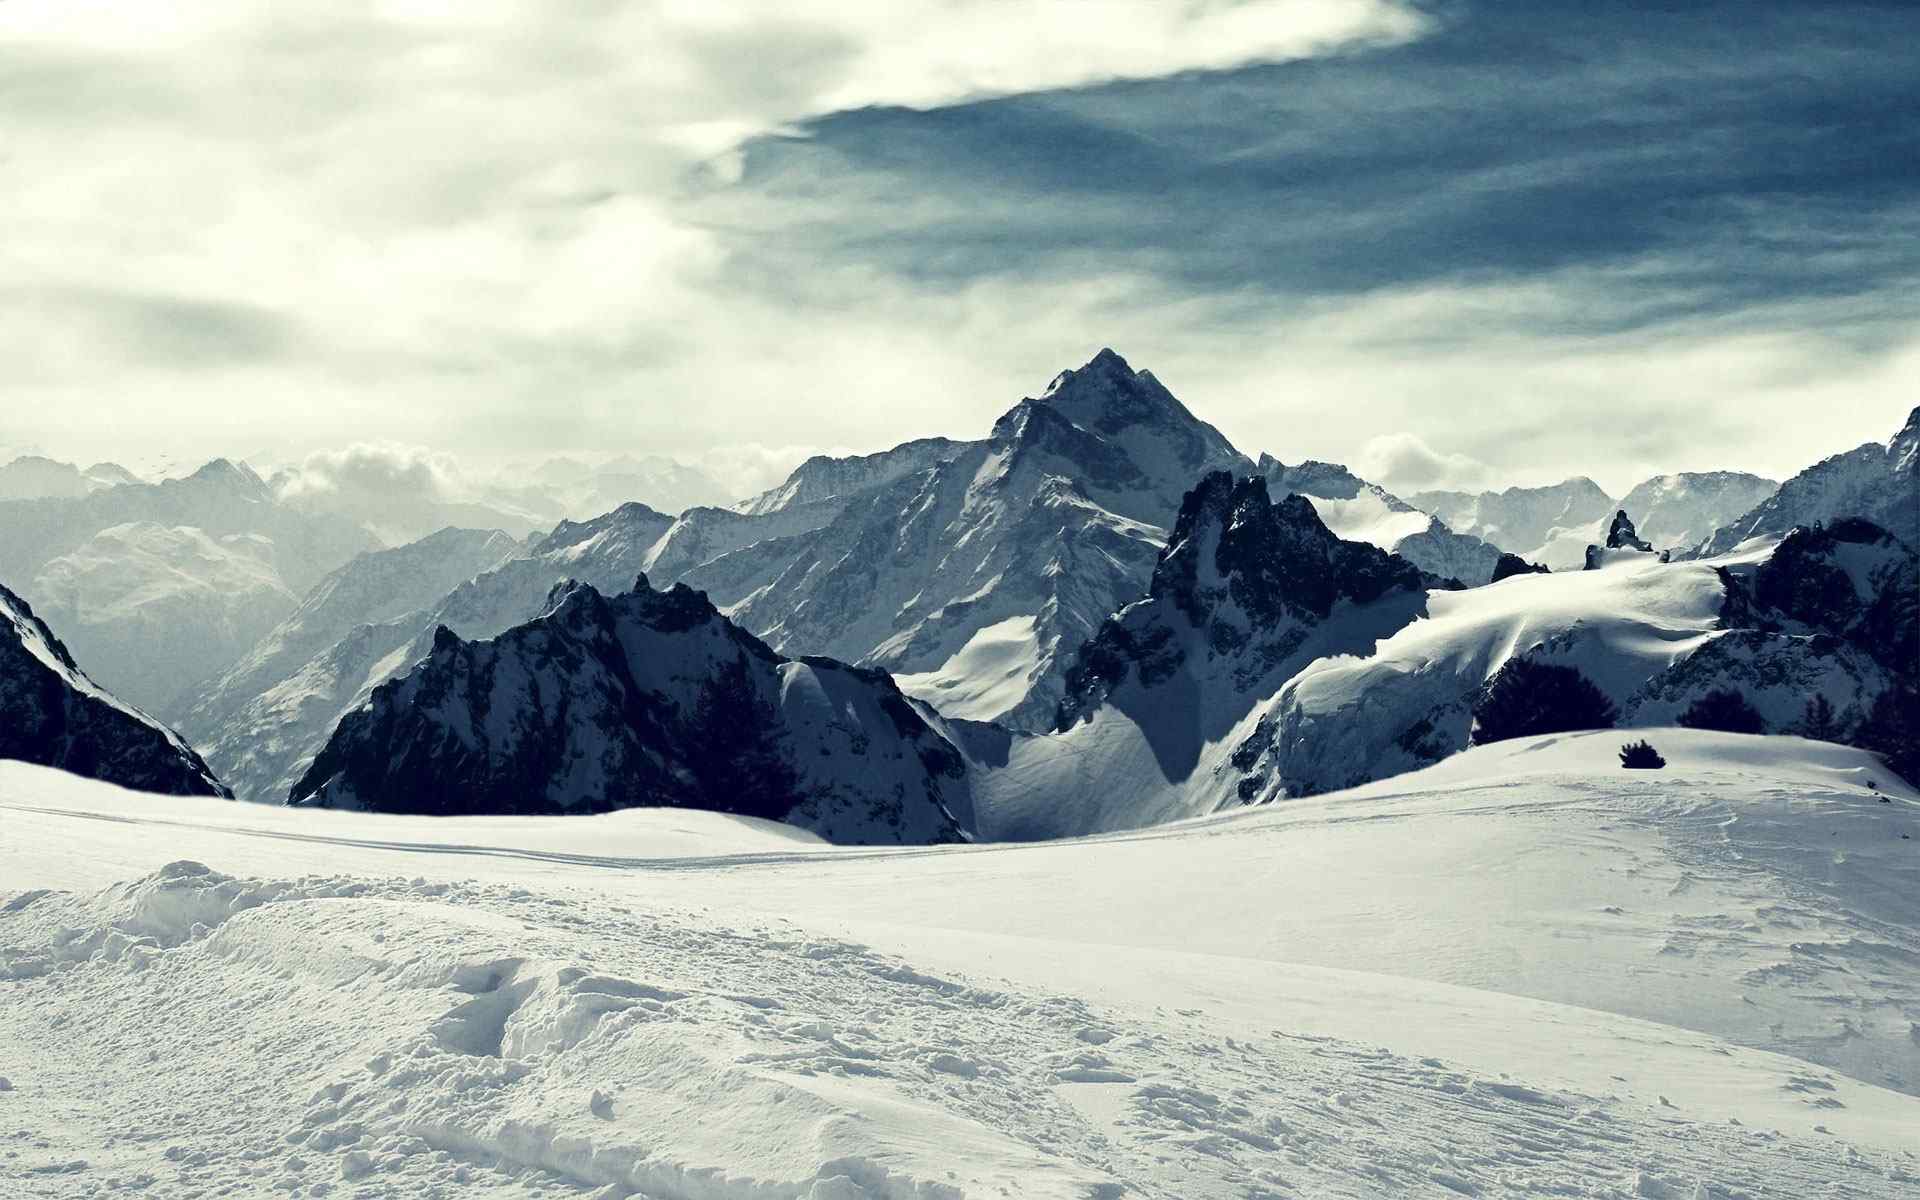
point(1725, 710)
point(1641, 756)
point(1527, 698)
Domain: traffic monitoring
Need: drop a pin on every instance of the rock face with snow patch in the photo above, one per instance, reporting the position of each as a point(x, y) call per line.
point(1364, 512)
point(643, 699)
point(53, 715)
point(1879, 482)
point(1246, 593)
point(825, 478)
point(1512, 564)
point(1235, 596)
point(1622, 543)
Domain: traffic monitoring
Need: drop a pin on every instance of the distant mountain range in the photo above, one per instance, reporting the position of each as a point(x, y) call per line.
point(1101, 614)
point(1552, 526)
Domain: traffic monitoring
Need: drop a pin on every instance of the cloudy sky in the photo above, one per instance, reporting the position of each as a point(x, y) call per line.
point(1451, 242)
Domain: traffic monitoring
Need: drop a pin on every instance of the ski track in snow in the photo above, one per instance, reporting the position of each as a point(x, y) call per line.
point(196, 1035)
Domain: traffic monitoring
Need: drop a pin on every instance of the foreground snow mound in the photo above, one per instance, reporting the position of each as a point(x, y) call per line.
point(1878, 481)
point(52, 714)
point(1356, 995)
point(647, 698)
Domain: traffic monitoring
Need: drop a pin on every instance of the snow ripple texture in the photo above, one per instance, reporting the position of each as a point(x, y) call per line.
point(194, 1034)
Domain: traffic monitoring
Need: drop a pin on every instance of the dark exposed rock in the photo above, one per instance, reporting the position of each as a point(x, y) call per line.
point(643, 699)
point(1512, 564)
point(53, 715)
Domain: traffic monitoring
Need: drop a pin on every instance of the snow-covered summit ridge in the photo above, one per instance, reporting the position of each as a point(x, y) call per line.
point(645, 698)
point(53, 715)
point(1879, 481)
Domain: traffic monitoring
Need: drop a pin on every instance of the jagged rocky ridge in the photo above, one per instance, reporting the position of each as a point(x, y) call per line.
point(646, 698)
point(1247, 593)
point(53, 715)
point(1235, 596)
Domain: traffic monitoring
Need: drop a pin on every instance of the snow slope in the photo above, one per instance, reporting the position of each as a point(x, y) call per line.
point(1521, 973)
point(1878, 481)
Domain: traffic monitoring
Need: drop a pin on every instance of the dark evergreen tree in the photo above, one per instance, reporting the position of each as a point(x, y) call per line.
point(1818, 720)
point(1725, 710)
point(1892, 729)
point(1641, 756)
point(1527, 698)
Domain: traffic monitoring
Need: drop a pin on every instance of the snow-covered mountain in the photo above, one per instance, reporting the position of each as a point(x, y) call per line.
point(1365, 512)
point(238, 718)
point(1247, 592)
point(1878, 481)
point(1554, 525)
point(646, 698)
point(160, 609)
point(823, 478)
point(1528, 520)
point(221, 499)
point(1396, 685)
point(53, 715)
point(35, 477)
point(1678, 512)
point(976, 579)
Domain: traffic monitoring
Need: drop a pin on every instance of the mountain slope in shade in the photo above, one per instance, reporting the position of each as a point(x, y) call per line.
point(1365, 512)
point(264, 727)
point(53, 715)
point(1003, 558)
point(1877, 481)
point(643, 699)
point(160, 609)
